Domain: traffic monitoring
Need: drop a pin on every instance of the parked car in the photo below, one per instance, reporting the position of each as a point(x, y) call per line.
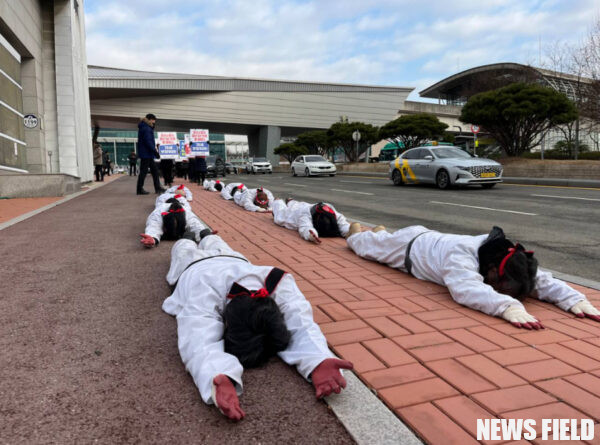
point(215, 166)
point(230, 168)
point(445, 167)
point(259, 165)
point(308, 165)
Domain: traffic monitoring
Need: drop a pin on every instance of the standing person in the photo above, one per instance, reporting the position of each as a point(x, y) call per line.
point(98, 161)
point(106, 163)
point(147, 153)
point(201, 169)
point(132, 163)
point(166, 166)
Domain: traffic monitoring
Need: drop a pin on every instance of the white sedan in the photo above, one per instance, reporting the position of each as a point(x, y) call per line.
point(308, 165)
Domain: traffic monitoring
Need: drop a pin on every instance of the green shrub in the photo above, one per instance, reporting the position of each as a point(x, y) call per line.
point(561, 155)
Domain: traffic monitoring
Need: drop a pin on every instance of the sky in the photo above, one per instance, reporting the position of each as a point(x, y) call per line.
point(380, 42)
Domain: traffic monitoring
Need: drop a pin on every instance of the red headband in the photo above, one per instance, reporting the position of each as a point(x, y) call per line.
point(241, 186)
point(217, 182)
point(261, 293)
point(325, 209)
point(173, 211)
point(511, 252)
point(181, 187)
point(178, 196)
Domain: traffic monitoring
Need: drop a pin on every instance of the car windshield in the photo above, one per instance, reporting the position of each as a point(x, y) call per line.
point(450, 152)
point(260, 160)
point(315, 159)
point(210, 159)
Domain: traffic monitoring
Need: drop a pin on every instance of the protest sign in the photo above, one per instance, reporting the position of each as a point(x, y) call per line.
point(168, 144)
point(199, 142)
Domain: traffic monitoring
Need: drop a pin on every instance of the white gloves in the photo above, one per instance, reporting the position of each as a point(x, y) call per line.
point(517, 316)
point(585, 309)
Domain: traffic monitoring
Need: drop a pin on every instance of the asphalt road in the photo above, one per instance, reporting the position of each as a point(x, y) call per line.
point(561, 224)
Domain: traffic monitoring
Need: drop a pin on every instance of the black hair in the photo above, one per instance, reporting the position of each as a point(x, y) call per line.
point(324, 221)
point(150, 116)
point(174, 221)
point(234, 191)
point(218, 187)
point(254, 330)
point(520, 270)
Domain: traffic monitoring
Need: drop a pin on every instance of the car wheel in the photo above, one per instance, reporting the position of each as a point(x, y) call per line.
point(253, 171)
point(271, 172)
point(294, 172)
point(442, 180)
point(397, 178)
point(487, 186)
point(307, 172)
point(332, 174)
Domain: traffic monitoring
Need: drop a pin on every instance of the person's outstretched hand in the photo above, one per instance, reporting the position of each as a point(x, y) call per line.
point(314, 236)
point(226, 398)
point(327, 378)
point(586, 309)
point(147, 240)
point(518, 317)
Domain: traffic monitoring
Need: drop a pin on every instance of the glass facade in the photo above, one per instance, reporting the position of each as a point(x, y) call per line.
point(120, 150)
point(12, 153)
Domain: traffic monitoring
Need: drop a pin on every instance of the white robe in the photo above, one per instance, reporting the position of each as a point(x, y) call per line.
point(209, 184)
point(452, 261)
point(162, 198)
point(154, 222)
point(186, 191)
point(296, 216)
point(226, 192)
point(247, 197)
point(199, 301)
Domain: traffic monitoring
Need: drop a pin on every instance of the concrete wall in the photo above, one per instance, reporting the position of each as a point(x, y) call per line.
point(50, 37)
point(37, 185)
point(301, 109)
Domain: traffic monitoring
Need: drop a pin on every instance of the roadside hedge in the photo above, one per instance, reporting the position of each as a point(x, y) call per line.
point(555, 154)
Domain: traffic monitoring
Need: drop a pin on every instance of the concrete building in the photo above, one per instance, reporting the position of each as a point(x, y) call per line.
point(264, 110)
point(454, 91)
point(44, 102)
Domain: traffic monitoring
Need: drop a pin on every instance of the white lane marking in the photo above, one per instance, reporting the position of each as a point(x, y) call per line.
point(483, 208)
point(566, 197)
point(351, 191)
point(357, 182)
point(295, 185)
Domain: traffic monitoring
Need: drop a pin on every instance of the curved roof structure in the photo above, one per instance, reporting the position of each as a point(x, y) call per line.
point(461, 86)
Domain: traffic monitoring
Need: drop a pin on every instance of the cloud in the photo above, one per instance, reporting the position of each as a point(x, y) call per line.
point(385, 42)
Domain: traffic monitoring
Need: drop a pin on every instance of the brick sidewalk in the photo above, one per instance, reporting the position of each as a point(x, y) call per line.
point(438, 365)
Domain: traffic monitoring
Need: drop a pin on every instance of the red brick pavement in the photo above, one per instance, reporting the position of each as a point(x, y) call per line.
point(437, 365)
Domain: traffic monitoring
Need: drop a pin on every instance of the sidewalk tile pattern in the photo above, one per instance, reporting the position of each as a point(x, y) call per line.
point(437, 365)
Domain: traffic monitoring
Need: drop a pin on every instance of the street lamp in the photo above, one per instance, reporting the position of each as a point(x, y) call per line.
point(356, 137)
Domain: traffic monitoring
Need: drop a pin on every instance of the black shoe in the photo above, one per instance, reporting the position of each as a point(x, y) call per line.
point(143, 192)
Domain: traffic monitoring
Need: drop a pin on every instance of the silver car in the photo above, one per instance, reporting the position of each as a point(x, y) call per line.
point(444, 166)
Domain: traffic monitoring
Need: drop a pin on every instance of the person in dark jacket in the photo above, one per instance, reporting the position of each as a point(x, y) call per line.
point(106, 163)
point(132, 163)
point(201, 169)
point(147, 153)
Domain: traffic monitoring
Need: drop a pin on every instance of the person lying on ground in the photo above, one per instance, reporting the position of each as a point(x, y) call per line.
point(487, 273)
point(170, 220)
point(255, 200)
point(233, 315)
point(312, 221)
point(213, 186)
point(231, 189)
point(164, 197)
point(181, 190)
